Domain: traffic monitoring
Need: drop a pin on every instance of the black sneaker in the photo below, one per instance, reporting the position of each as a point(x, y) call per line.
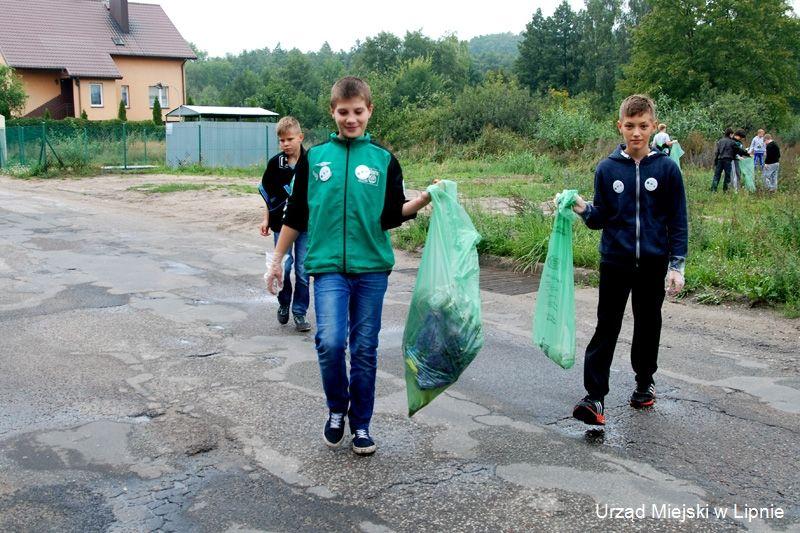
point(333, 434)
point(283, 314)
point(301, 324)
point(590, 412)
point(363, 443)
point(643, 396)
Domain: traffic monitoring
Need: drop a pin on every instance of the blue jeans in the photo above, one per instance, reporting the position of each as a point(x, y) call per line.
point(758, 160)
point(349, 305)
point(301, 293)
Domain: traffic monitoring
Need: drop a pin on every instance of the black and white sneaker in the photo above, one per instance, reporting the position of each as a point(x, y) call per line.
point(643, 396)
point(590, 412)
point(333, 434)
point(363, 443)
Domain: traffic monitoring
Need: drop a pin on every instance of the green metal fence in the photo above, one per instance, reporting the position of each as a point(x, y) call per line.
point(75, 145)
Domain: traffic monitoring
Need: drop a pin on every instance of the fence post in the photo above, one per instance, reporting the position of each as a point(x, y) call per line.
point(266, 142)
point(21, 142)
point(124, 147)
point(85, 145)
point(144, 133)
point(42, 151)
point(199, 143)
point(3, 149)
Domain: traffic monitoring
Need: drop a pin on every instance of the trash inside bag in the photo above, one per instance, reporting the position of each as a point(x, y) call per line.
point(554, 314)
point(443, 332)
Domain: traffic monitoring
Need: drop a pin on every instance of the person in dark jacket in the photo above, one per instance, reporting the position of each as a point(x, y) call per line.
point(771, 163)
point(724, 154)
point(640, 204)
point(275, 188)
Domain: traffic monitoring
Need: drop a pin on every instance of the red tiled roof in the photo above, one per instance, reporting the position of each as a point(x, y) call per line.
point(78, 36)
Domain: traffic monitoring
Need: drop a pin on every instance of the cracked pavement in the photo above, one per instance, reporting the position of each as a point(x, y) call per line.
point(146, 386)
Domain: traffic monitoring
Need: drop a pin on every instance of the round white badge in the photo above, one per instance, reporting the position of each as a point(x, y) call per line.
point(362, 172)
point(650, 184)
point(325, 173)
point(618, 187)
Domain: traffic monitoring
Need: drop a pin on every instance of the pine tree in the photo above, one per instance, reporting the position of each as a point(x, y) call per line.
point(84, 116)
point(157, 112)
point(122, 114)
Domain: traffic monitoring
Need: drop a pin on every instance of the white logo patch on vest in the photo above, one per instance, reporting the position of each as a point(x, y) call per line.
point(364, 174)
point(650, 184)
point(325, 173)
point(618, 187)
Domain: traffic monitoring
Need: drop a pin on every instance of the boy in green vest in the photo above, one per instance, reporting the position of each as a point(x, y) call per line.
point(347, 194)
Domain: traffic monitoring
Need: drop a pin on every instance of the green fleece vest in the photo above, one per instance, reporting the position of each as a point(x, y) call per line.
point(346, 192)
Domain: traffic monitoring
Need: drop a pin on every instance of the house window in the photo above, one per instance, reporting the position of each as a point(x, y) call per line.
point(125, 94)
point(96, 94)
point(162, 93)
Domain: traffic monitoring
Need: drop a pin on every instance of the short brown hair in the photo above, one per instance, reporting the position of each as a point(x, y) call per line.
point(350, 87)
point(767, 137)
point(662, 127)
point(637, 104)
point(287, 124)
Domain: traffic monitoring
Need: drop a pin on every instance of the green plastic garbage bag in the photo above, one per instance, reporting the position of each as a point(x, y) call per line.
point(443, 332)
point(554, 315)
point(747, 168)
point(675, 153)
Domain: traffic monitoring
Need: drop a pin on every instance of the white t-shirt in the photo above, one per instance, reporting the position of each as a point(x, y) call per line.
point(660, 139)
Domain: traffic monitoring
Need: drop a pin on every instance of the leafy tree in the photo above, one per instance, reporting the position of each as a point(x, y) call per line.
point(689, 48)
point(498, 51)
point(189, 99)
point(499, 101)
point(416, 83)
point(157, 112)
point(550, 52)
point(202, 55)
point(12, 92)
point(450, 59)
point(122, 113)
point(416, 45)
point(601, 48)
point(379, 54)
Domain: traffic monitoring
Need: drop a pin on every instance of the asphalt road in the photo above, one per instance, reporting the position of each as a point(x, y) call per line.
point(145, 385)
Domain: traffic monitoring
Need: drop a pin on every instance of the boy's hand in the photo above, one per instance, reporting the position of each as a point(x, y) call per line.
point(579, 206)
point(264, 227)
point(274, 278)
point(675, 282)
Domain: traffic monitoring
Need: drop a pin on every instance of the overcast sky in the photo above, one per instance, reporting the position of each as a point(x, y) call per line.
point(230, 26)
point(235, 25)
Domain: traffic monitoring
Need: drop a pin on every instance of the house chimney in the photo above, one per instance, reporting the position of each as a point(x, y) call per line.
point(119, 10)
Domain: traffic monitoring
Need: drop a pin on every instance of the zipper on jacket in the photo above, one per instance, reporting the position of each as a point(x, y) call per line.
point(344, 220)
point(638, 225)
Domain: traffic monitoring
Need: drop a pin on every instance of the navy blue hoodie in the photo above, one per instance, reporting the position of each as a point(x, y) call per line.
point(641, 209)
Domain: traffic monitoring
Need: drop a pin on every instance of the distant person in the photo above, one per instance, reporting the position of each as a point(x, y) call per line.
point(757, 149)
point(772, 160)
point(348, 193)
point(640, 204)
point(724, 154)
point(661, 140)
point(275, 188)
point(738, 138)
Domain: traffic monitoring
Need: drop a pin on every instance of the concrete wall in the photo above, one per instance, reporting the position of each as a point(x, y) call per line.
point(110, 105)
point(40, 85)
point(139, 74)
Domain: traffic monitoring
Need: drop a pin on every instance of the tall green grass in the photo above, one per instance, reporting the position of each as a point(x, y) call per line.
point(742, 246)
